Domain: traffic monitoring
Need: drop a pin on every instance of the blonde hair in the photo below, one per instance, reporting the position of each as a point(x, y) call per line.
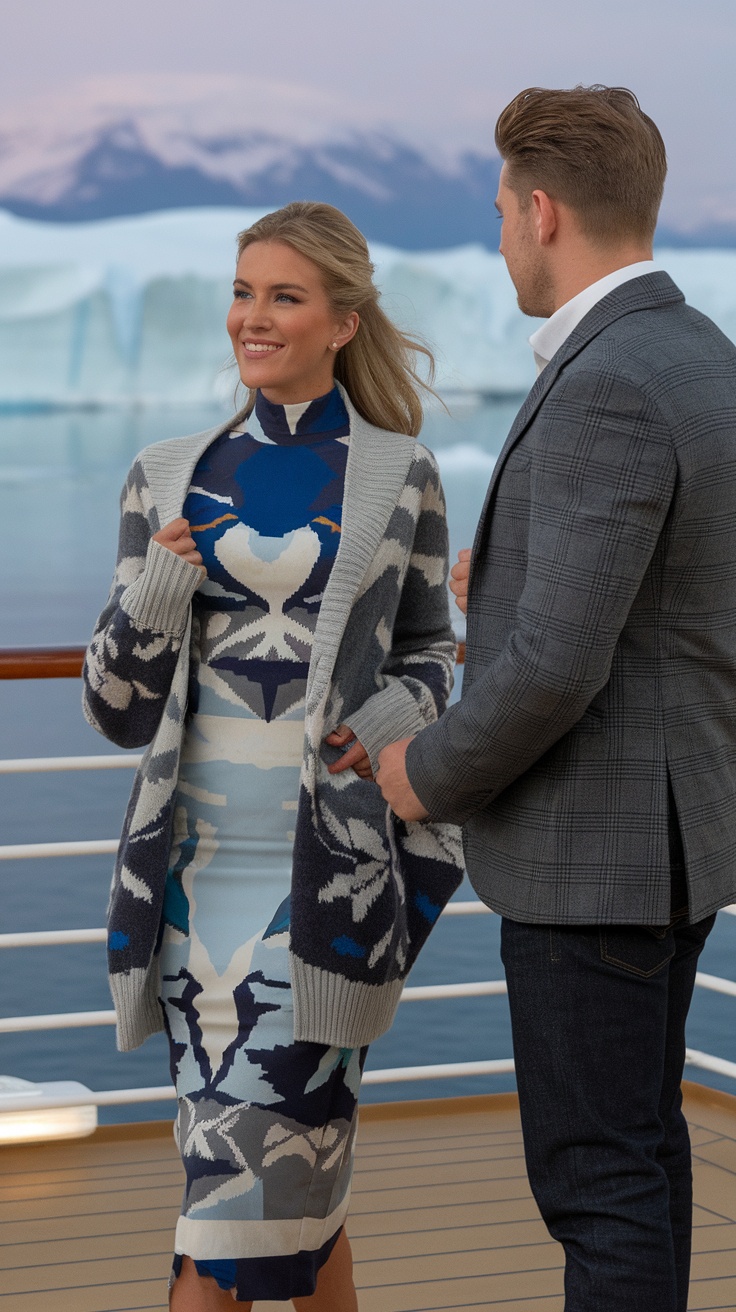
point(377, 367)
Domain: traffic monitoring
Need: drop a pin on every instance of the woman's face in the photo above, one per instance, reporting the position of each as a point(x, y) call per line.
point(284, 333)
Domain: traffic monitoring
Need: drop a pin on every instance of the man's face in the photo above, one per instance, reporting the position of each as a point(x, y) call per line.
point(525, 258)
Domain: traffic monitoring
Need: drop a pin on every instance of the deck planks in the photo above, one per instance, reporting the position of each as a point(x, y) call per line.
point(442, 1219)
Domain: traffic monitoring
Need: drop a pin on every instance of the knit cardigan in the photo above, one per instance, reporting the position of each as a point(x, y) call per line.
point(366, 886)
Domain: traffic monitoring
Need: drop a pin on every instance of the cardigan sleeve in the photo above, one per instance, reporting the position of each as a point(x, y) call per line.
point(131, 659)
point(419, 667)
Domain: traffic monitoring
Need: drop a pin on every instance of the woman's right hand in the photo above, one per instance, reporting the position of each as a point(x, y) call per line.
point(177, 537)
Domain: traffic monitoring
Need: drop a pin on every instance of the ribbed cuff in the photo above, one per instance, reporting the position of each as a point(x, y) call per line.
point(159, 598)
point(137, 1006)
point(339, 1012)
point(387, 716)
point(425, 772)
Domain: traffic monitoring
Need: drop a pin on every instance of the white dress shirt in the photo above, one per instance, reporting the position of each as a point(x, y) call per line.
point(548, 339)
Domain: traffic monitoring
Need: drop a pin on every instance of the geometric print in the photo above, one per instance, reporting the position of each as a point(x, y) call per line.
point(265, 1126)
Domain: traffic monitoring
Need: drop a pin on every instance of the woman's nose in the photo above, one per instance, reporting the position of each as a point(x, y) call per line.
point(256, 313)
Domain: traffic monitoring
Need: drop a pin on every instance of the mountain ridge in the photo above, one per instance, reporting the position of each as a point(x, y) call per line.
point(133, 146)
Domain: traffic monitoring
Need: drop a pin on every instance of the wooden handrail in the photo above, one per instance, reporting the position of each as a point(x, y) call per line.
point(66, 662)
point(41, 662)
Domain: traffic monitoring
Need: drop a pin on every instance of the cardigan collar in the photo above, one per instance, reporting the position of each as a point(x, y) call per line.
point(377, 467)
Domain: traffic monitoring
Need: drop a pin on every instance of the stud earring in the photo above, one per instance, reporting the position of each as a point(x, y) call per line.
point(334, 346)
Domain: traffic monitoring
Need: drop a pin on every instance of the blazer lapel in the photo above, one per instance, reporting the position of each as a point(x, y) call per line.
point(377, 467)
point(653, 289)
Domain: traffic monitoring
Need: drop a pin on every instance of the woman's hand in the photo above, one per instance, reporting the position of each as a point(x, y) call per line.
point(176, 537)
point(355, 756)
point(459, 575)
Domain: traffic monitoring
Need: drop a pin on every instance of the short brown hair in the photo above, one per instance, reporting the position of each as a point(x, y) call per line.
point(592, 148)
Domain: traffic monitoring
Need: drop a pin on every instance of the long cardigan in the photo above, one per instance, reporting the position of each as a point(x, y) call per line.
point(366, 887)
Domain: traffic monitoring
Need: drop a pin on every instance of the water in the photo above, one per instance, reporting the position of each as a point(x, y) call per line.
point(60, 476)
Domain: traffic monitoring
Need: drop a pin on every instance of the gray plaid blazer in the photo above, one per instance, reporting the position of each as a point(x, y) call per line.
point(601, 652)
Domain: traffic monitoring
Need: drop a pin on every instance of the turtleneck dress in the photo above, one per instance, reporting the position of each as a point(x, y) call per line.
point(265, 1126)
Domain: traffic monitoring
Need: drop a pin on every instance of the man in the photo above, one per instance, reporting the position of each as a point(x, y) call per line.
point(592, 758)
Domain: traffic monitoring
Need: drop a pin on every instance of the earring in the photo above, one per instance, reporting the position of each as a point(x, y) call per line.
point(334, 346)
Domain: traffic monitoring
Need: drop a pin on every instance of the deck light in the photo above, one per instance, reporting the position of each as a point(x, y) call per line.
point(28, 1113)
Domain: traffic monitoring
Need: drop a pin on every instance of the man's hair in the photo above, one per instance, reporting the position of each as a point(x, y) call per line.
point(591, 148)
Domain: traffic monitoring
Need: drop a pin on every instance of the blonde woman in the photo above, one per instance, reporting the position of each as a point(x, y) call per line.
point(278, 615)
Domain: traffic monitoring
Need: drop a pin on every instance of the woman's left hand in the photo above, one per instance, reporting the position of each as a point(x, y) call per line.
point(355, 756)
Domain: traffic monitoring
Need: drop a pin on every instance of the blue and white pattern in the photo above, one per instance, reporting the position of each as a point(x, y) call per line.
point(265, 1126)
point(382, 660)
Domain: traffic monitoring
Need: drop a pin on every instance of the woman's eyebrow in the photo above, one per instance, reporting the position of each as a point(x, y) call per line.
point(275, 286)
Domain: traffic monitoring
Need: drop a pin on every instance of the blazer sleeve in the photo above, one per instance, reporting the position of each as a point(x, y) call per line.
point(602, 480)
point(419, 667)
point(131, 659)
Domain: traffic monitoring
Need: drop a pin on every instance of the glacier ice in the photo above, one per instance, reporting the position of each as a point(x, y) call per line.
point(133, 310)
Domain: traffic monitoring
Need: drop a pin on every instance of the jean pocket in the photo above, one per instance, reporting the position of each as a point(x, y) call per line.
point(636, 949)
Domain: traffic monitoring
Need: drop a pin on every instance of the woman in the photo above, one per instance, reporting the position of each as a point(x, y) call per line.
point(279, 613)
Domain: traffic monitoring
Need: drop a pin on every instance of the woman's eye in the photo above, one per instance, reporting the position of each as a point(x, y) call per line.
point(240, 295)
point(284, 296)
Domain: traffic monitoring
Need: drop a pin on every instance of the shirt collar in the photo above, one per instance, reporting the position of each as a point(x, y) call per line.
point(548, 339)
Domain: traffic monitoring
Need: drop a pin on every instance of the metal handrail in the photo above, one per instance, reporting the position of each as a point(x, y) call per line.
point(66, 662)
point(90, 847)
point(46, 938)
point(449, 1070)
point(68, 1020)
point(37, 764)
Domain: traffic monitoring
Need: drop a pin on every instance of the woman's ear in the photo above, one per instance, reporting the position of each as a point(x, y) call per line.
point(347, 330)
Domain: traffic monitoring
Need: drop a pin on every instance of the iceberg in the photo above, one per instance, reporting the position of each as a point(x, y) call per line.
point(131, 311)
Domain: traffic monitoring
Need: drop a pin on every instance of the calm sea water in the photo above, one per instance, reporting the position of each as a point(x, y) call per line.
point(60, 476)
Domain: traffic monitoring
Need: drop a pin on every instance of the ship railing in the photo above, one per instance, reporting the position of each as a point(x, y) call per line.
point(33, 663)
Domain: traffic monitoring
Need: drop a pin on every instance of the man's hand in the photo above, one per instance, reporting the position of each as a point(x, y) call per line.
point(394, 784)
point(459, 575)
point(355, 756)
point(177, 537)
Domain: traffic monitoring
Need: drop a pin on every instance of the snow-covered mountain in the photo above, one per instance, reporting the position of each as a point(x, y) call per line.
point(115, 146)
point(133, 145)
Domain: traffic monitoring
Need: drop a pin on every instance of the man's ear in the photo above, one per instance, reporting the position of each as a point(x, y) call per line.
point(545, 217)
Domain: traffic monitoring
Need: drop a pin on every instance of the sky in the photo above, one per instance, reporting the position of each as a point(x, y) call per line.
point(438, 70)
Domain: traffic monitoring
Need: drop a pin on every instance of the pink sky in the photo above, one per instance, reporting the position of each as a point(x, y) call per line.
point(436, 69)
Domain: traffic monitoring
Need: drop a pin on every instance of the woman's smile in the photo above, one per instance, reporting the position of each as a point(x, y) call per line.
point(261, 348)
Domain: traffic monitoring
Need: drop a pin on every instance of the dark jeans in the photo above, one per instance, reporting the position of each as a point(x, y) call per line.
point(598, 1018)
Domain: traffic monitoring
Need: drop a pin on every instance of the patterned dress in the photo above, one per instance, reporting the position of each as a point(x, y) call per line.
point(265, 1125)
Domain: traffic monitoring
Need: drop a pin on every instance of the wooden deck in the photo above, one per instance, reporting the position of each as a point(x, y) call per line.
point(441, 1219)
